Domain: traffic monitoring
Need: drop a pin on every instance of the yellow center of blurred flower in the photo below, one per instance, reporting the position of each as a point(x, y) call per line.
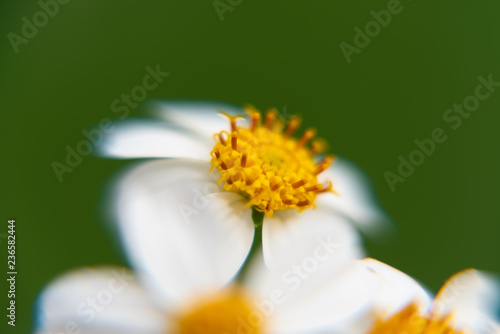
point(267, 165)
point(229, 312)
point(411, 321)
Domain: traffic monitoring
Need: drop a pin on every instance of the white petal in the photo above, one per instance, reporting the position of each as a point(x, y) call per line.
point(355, 198)
point(152, 139)
point(395, 289)
point(201, 117)
point(307, 253)
point(289, 236)
point(473, 298)
point(179, 229)
point(388, 291)
point(98, 301)
point(316, 302)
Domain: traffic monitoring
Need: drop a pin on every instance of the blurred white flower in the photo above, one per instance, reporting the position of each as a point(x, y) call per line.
point(364, 296)
point(159, 203)
point(312, 296)
point(467, 303)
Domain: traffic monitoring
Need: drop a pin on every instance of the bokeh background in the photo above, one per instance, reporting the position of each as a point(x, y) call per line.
point(282, 54)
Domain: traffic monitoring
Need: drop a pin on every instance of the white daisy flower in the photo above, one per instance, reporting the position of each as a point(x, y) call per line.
point(256, 168)
point(366, 297)
point(310, 296)
point(467, 303)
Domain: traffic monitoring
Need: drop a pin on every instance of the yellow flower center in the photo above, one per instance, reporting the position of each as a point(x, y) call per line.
point(267, 165)
point(411, 321)
point(229, 312)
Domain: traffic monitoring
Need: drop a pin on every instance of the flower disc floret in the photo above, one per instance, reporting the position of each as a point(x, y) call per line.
point(226, 312)
point(410, 320)
point(274, 170)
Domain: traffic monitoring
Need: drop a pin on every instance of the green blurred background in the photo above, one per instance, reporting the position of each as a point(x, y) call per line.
point(281, 54)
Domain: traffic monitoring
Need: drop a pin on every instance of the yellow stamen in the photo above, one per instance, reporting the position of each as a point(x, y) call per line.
point(244, 160)
point(275, 183)
point(319, 146)
point(232, 119)
point(306, 137)
point(292, 126)
point(270, 116)
point(303, 203)
point(234, 141)
point(221, 138)
point(299, 183)
point(289, 201)
point(254, 116)
point(327, 161)
point(328, 188)
point(316, 187)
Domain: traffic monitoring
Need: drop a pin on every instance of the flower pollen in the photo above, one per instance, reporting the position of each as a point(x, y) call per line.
point(263, 162)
